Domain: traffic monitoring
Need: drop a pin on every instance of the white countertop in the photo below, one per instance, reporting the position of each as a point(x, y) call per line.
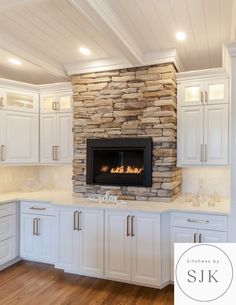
point(66, 198)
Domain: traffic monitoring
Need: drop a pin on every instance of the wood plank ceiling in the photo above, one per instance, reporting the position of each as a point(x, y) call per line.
point(48, 33)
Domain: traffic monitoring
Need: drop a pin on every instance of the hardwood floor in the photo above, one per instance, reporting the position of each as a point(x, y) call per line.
point(28, 283)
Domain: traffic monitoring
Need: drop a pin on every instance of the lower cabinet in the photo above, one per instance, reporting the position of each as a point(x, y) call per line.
point(80, 242)
point(133, 247)
point(196, 228)
point(8, 234)
point(38, 237)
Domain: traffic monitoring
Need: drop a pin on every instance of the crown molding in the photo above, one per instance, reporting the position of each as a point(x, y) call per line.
point(15, 85)
point(115, 63)
point(203, 74)
point(55, 87)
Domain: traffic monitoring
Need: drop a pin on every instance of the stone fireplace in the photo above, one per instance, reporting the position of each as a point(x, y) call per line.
point(114, 108)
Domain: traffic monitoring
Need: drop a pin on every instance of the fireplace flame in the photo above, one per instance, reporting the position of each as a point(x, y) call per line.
point(122, 169)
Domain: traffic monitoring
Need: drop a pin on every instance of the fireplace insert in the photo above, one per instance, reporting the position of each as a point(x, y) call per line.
point(119, 161)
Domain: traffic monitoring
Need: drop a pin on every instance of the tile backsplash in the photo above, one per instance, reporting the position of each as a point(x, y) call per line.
point(19, 178)
point(215, 179)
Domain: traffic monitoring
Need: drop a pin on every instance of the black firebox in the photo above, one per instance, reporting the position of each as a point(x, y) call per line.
point(119, 161)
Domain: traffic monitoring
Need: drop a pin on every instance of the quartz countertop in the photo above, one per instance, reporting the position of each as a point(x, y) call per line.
point(66, 198)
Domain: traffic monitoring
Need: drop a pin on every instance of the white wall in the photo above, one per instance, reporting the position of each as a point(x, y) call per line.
point(215, 179)
point(16, 178)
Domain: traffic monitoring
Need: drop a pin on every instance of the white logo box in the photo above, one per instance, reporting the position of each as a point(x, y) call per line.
point(205, 274)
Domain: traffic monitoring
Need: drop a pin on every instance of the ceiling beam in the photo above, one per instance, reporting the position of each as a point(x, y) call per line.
point(101, 15)
point(15, 46)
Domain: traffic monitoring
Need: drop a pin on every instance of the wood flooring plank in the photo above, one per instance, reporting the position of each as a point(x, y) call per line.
point(29, 283)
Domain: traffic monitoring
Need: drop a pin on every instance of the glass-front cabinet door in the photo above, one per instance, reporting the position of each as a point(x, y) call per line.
point(216, 92)
point(191, 94)
point(48, 103)
point(65, 103)
point(55, 103)
point(19, 101)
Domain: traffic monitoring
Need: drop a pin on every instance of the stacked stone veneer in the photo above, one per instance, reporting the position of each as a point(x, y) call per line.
point(136, 102)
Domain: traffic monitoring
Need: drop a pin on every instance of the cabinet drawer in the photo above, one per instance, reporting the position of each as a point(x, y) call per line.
point(38, 208)
point(7, 209)
point(199, 221)
point(7, 227)
point(7, 250)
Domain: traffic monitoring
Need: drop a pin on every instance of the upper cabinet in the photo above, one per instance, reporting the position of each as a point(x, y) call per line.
point(203, 92)
point(52, 103)
point(19, 100)
point(203, 119)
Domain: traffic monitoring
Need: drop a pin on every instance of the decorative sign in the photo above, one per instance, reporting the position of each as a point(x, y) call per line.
point(204, 274)
point(107, 198)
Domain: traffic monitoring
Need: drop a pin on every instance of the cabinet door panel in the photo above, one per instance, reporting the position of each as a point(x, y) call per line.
point(207, 236)
point(20, 137)
point(47, 103)
point(28, 244)
point(216, 92)
point(216, 134)
point(91, 242)
point(48, 137)
point(7, 227)
point(65, 137)
point(190, 136)
point(190, 94)
point(68, 241)
point(65, 103)
point(7, 250)
point(180, 235)
point(117, 246)
point(146, 255)
point(46, 239)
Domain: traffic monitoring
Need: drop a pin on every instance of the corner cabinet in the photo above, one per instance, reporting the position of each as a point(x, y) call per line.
point(56, 136)
point(203, 122)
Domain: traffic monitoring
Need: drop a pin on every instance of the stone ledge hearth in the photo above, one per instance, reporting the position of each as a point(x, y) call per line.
point(136, 102)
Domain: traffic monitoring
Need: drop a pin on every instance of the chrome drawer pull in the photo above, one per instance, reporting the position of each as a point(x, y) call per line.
point(200, 238)
point(198, 221)
point(195, 238)
point(37, 209)
point(75, 221)
point(79, 227)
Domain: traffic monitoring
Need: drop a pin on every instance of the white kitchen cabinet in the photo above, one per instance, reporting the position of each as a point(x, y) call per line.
point(203, 92)
point(146, 248)
point(133, 247)
point(38, 237)
point(81, 241)
point(118, 245)
point(56, 138)
point(203, 134)
point(216, 134)
point(190, 136)
point(56, 102)
point(16, 100)
point(196, 228)
point(202, 118)
point(19, 138)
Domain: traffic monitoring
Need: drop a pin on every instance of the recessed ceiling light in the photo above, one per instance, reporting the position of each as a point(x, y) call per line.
point(14, 61)
point(181, 36)
point(84, 51)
